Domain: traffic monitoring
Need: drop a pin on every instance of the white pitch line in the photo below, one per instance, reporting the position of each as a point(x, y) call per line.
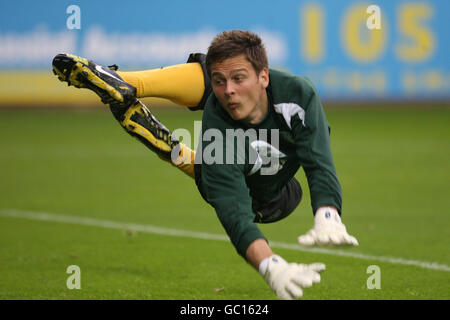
point(45, 216)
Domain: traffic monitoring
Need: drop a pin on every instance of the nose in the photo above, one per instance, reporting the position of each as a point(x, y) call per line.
point(229, 90)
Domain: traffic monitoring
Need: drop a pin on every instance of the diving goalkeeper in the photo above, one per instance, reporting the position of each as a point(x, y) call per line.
point(248, 182)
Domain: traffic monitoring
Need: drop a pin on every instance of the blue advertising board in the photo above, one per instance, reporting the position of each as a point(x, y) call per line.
point(400, 51)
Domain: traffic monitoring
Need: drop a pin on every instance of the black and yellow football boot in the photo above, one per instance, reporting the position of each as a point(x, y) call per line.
point(104, 81)
point(139, 122)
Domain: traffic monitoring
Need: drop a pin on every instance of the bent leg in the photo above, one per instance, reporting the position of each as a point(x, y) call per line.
point(130, 112)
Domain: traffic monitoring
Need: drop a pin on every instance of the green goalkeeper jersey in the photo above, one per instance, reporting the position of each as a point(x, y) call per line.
point(243, 165)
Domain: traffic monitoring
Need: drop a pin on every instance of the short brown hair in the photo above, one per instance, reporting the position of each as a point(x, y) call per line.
point(230, 44)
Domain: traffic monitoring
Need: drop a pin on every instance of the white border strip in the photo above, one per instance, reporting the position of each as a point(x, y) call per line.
point(44, 216)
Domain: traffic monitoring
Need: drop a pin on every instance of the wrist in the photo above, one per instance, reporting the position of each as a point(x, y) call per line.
point(263, 266)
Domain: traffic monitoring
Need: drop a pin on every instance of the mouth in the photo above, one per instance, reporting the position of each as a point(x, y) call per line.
point(233, 105)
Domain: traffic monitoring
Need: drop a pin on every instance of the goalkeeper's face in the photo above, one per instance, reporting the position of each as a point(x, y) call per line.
point(240, 90)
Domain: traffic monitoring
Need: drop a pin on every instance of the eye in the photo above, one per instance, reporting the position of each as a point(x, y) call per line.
point(218, 82)
point(239, 78)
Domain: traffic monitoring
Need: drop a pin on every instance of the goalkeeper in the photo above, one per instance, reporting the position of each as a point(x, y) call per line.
point(236, 90)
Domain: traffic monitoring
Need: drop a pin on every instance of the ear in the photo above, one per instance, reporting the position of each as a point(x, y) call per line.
point(264, 77)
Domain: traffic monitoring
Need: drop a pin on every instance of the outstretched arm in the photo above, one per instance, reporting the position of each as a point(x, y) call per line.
point(312, 135)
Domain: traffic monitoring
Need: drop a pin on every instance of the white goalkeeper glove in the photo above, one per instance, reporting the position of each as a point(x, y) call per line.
point(328, 230)
point(288, 279)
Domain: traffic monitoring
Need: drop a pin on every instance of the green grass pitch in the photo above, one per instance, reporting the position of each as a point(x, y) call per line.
point(393, 164)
